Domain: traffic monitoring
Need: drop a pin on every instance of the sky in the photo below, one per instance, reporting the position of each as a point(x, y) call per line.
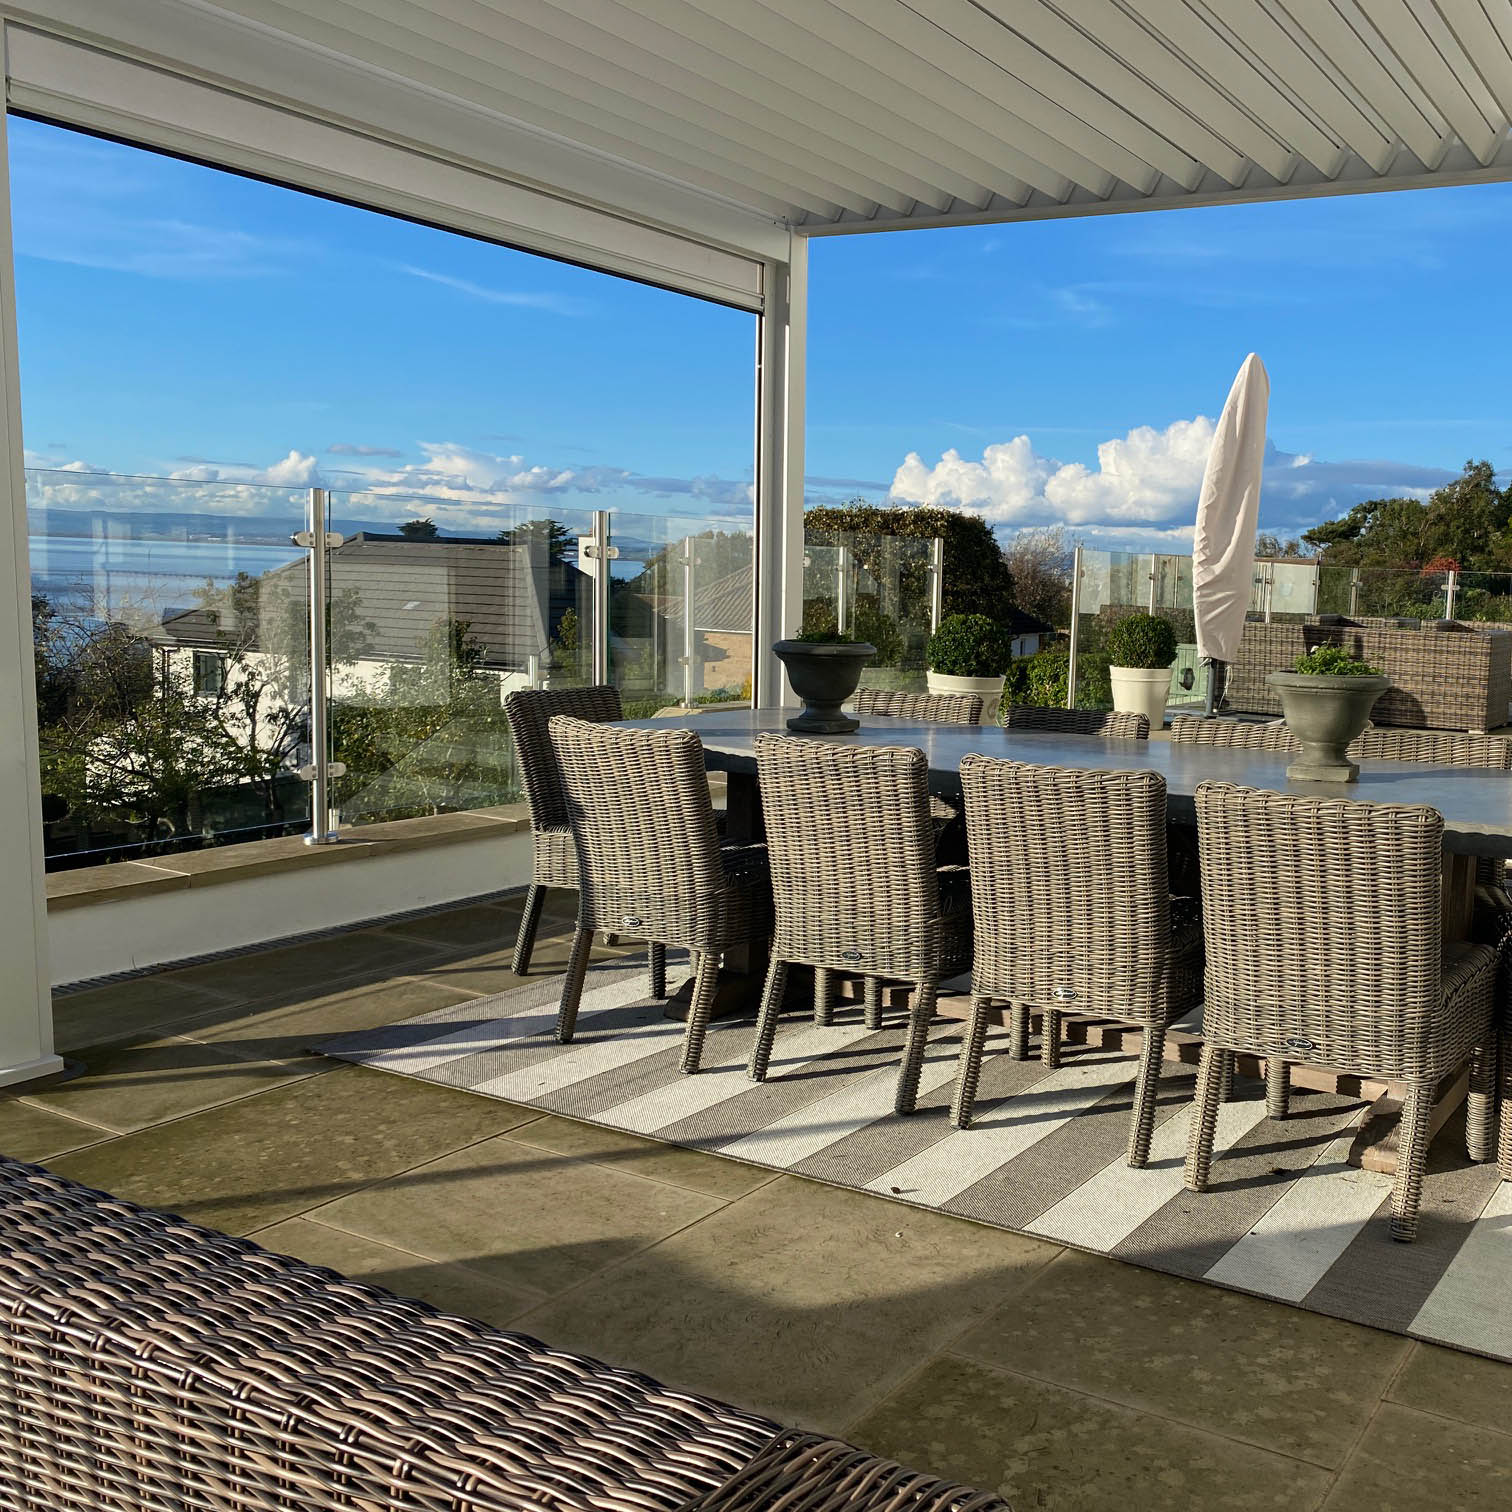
point(246, 340)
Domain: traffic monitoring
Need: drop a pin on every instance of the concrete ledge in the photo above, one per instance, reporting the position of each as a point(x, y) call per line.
point(103, 920)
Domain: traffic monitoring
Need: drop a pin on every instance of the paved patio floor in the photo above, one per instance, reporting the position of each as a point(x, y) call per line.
point(1070, 1382)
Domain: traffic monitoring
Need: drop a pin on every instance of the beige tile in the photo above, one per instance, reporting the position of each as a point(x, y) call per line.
point(519, 1215)
point(1279, 1377)
point(1046, 1449)
point(37, 1134)
point(492, 971)
point(133, 1085)
point(124, 1009)
point(1456, 1385)
point(481, 928)
point(250, 1163)
point(643, 1157)
point(801, 1301)
point(292, 969)
point(449, 1287)
point(1411, 1460)
point(280, 1031)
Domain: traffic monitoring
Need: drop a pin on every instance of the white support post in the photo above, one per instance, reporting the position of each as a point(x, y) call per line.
point(26, 1034)
point(936, 582)
point(1451, 593)
point(781, 345)
point(1076, 576)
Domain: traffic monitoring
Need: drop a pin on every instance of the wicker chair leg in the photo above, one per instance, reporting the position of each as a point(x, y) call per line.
point(1226, 1077)
point(1480, 1104)
point(1018, 1031)
point(1204, 1125)
point(1277, 1087)
point(766, 1020)
point(705, 980)
point(922, 1011)
point(530, 921)
point(1050, 1038)
point(969, 1070)
point(872, 1002)
point(658, 965)
point(1412, 1161)
point(824, 996)
point(1146, 1089)
point(572, 985)
point(1504, 1132)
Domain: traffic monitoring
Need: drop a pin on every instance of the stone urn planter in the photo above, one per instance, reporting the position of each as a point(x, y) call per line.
point(1326, 712)
point(824, 674)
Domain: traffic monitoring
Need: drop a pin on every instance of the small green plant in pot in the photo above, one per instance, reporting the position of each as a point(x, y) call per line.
point(1141, 649)
point(1326, 700)
point(823, 669)
point(970, 653)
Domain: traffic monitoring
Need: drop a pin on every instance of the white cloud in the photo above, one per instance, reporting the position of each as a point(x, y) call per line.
point(296, 470)
point(556, 304)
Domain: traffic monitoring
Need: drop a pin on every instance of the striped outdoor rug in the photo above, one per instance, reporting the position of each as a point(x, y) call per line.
point(1287, 1217)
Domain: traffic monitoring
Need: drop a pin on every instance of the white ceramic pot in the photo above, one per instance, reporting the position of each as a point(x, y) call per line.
point(1142, 690)
point(988, 689)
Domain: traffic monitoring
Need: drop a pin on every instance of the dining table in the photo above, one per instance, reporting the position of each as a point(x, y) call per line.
point(1476, 805)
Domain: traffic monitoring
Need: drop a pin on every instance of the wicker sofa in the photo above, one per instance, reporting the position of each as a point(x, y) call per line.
point(1445, 675)
point(150, 1363)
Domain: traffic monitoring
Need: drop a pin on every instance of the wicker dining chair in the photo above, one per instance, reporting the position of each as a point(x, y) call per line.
point(925, 708)
point(529, 711)
point(1323, 926)
point(650, 862)
point(856, 886)
point(1073, 911)
point(1114, 723)
point(1233, 734)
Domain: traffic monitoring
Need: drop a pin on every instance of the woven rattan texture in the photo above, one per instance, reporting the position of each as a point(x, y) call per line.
point(148, 1363)
point(1110, 722)
point(927, 708)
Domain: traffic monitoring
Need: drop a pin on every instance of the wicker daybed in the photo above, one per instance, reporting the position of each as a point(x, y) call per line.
point(1445, 675)
point(151, 1363)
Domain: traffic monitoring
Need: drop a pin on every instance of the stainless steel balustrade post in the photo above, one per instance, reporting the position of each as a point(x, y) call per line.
point(324, 829)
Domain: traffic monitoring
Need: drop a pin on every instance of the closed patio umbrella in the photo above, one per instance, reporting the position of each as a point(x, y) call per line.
point(1228, 511)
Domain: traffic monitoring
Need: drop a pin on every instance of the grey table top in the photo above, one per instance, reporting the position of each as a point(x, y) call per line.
point(1476, 804)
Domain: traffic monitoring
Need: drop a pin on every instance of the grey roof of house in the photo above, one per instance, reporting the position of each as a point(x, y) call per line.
point(402, 588)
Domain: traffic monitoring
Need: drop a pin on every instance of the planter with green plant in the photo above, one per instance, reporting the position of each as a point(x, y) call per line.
point(970, 653)
point(823, 669)
point(1326, 701)
point(1141, 649)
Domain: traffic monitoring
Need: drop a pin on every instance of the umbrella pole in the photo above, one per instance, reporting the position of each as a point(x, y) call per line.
point(1216, 671)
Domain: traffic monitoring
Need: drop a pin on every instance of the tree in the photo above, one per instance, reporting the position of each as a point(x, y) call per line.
point(1040, 559)
point(1270, 547)
point(419, 530)
point(551, 536)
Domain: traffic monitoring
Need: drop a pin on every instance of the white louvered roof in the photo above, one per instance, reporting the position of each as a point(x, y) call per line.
point(848, 115)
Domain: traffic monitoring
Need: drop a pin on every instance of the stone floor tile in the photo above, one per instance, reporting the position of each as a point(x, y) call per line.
point(248, 1164)
point(362, 954)
point(450, 1287)
point(1409, 1460)
point(521, 1216)
point(36, 1134)
point(805, 1302)
point(124, 1010)
point(1279, 1377)
point(1046, 1449)
point(1456, 1385)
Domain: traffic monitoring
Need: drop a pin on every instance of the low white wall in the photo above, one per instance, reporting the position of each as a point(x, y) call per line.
point(127, 934)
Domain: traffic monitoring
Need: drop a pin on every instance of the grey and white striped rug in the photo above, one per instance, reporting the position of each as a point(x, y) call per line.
point(1287, 1217)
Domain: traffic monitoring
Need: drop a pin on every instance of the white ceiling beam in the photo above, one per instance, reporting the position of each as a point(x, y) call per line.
point(1488, 44)
point(1185, 31)
point(1172, 74)
point(1402, 28)
point(491, 72)
point(1305, 78)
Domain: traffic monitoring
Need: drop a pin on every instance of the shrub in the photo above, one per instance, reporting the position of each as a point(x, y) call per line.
point(970, 645)
point(1333, 661)
point(1042, 679)
point(1142, 641)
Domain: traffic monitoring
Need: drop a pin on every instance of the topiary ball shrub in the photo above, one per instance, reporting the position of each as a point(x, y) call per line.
point(970, 645)
point(1142, 642)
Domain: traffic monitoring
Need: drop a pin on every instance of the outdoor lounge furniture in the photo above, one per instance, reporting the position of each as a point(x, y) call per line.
point(1445, 675)
point(553, 859)
point(1323, 927)
point(650, 863)
point(856, 886)
point(1110, 722)
point(147, 1362)
point(927, 708)
point(1072, 911)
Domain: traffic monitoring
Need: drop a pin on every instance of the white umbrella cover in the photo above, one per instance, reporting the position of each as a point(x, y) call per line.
point(1228, 512)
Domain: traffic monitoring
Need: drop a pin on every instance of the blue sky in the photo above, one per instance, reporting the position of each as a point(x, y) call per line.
point(178, 321)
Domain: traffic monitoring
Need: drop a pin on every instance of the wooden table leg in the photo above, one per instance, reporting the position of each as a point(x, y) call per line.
point(1459, 895)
